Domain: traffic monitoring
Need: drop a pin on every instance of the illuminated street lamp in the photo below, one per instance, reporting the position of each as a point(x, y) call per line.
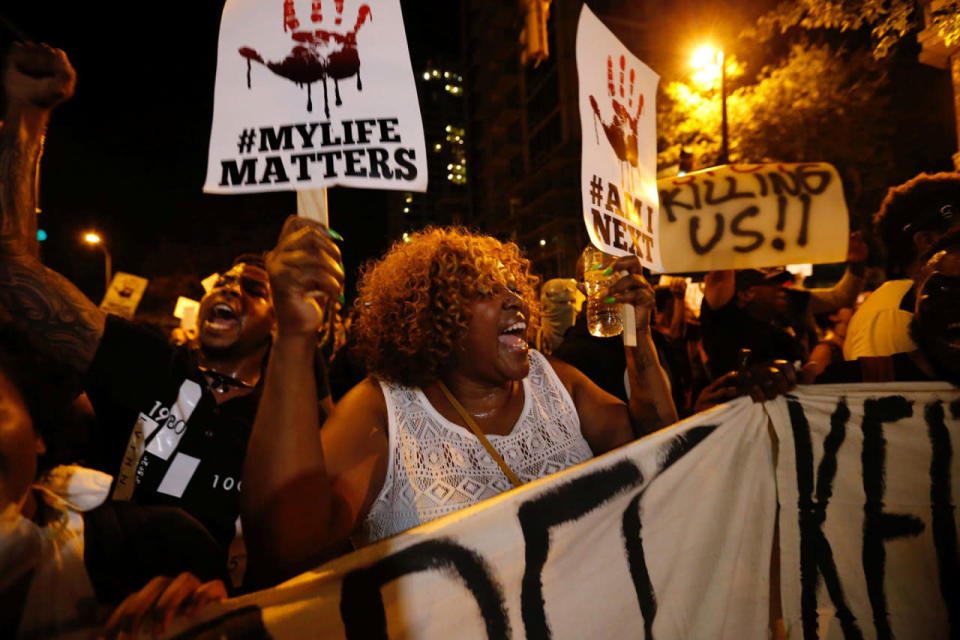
point(93, 239)
point(709, 62)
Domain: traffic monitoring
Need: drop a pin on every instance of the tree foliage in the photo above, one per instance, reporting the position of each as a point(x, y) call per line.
point(817, 105)
point(888, 20)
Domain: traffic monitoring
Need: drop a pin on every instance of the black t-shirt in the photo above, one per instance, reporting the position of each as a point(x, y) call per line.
point(162, 434)
point(728, 329)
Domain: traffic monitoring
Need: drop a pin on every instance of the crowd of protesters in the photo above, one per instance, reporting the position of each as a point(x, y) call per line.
point(334, 423)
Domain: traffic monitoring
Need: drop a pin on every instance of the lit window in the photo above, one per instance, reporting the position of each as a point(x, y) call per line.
point(426, 75)
point(543, 242)
point(437, 147)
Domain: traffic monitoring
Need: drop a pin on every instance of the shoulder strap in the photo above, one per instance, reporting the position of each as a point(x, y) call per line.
point(514, 480)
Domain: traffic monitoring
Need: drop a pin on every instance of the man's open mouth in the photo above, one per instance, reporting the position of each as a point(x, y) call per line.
point(222, 317)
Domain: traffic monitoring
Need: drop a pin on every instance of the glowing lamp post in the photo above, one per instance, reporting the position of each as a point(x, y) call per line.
point(709, 63)
point(93, 239)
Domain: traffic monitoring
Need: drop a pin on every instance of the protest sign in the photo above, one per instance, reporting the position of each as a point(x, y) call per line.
point(672, 537)
point(759, 215)
point(187, 310)
point(124, 294)
point(619, 158)
point(310, 95)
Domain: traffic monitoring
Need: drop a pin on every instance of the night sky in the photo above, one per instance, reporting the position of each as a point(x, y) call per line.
point(127, 155)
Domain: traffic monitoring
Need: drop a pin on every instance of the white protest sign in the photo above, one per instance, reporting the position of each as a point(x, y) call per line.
point(124, 294)
point(187, 310)
point(759, 215)
point(314, 94)
point(619, 159)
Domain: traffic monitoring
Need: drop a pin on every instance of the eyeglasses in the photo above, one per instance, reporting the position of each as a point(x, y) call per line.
point(946, 214)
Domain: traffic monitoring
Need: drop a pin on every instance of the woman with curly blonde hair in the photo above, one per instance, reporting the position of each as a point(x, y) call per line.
point(443, 322)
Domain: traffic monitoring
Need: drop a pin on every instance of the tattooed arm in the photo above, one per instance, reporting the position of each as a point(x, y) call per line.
point(53, 315)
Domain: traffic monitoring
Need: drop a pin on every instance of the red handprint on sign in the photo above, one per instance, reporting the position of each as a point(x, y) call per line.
point(622, 129)
point(320, 54)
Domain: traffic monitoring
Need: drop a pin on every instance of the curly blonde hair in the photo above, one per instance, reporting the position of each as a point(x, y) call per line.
point(414, 304)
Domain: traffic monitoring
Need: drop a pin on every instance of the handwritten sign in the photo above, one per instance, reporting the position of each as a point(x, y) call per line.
point(619, 158)
point(311, 95)
point(124, 294)
point(760, 215)
point(671, 537)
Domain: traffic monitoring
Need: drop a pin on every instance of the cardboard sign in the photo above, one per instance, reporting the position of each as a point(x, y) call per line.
point(314, 94)
point(619, 160)
point(124, 294)
point(671, 537)
point(759, 215)
point(187, 310)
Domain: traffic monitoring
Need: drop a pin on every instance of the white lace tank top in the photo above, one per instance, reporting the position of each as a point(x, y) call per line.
point(437, 467)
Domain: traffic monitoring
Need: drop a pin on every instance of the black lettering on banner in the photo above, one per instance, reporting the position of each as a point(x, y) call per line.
point(601, 225)
point(701, 249)
point(632, 526)
point(401, 157)
point(387, 134)
point(232, 175)
point(816, 556)
point(353, 157)
point(566, 503)
point(618, 234)
point(306, 135)
point(806, 171)
point(668, 200)
point(941, 505)
point(735, 229)
point(325, 139)
point(378, 163)
point(302, 159)
point(778, 182)
point(637, 560)
point(275, 139)
point(731, 193)
point(681, 445)
point(274, 171)
point(364, 129)
point(361, 603)
point(329, 171)
point(613, 199)
point(879, 526)
point(762, 182)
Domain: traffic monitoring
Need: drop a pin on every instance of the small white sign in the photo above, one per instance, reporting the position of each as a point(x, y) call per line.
point(311, 95)
point(619, 159)
point(124, 294)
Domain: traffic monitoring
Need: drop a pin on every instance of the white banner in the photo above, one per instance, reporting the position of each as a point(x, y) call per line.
point(671, 537)
point(759, 215)
point(869, 484)
point(619, 159)
point(312, 94)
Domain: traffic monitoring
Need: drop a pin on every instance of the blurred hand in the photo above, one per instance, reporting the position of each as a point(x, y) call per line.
point(154, 606)
point(764, 381)
point(857, 251)
point(38, 76)
point(305, 275)
point(632, 288)
point(678, 288)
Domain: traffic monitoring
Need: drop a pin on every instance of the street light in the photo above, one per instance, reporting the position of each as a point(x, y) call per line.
point(93, 239)
point(709, 62)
